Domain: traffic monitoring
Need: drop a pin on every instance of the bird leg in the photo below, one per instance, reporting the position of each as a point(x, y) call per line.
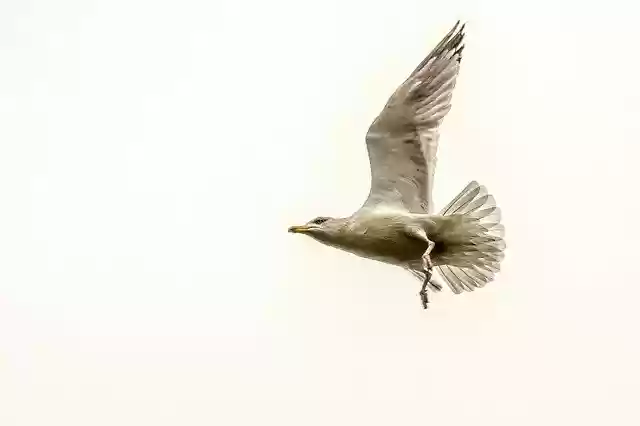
point(428, 272)
point(427, 265)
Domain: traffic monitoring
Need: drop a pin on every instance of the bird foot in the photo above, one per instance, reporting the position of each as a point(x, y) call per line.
point(424, 298)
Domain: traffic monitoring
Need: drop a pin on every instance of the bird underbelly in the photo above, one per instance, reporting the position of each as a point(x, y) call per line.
point(397, 249)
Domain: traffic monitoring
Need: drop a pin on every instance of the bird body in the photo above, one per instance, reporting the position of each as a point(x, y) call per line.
point(464, 241)
point(379, 235)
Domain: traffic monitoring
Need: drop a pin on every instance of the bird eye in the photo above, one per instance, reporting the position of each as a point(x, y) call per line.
point(319, 220)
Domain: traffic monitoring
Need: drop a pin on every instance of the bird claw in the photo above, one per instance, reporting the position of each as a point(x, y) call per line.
point(424, 298)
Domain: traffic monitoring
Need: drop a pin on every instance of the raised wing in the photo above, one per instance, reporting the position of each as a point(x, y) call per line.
point(403, 140)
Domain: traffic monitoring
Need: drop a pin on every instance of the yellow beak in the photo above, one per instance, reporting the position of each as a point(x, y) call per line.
point(301, 229)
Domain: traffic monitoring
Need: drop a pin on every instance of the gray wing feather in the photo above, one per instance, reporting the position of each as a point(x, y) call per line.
point(402, 141)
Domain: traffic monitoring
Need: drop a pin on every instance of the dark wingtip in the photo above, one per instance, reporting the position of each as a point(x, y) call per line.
point(456, 41)
point(451, 42)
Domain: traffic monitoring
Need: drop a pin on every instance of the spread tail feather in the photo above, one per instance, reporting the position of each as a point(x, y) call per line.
point(476, 247)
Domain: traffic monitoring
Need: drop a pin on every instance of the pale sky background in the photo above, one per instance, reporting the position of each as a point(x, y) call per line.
point(153, 154)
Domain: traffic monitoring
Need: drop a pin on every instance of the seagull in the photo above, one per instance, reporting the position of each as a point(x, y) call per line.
point(396, 225)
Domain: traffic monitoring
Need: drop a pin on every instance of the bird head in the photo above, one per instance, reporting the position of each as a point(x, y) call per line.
point(321, 228)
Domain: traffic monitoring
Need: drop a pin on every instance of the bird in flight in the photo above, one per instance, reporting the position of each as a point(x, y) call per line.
point(464, 242)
